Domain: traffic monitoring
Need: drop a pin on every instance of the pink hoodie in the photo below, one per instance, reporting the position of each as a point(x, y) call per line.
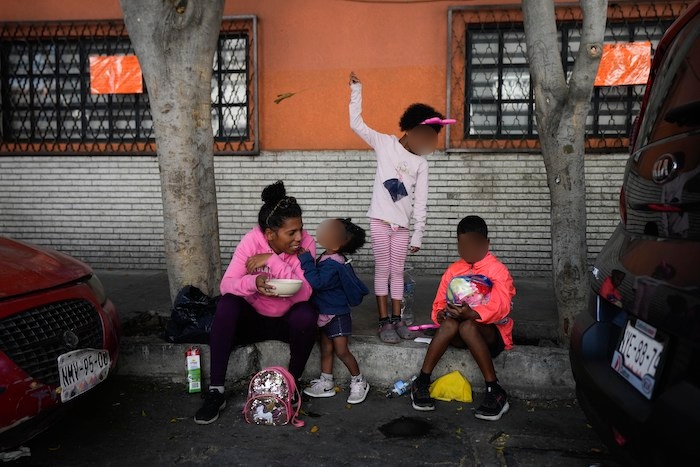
point(237, 281)
point(497, 310)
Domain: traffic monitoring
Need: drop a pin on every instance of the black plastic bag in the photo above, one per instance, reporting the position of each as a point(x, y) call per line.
point(191, 317)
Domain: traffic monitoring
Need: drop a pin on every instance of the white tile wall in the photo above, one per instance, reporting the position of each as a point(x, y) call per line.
point(107, 210)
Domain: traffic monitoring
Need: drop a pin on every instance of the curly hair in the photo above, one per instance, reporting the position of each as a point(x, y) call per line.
point(417, 113)
point(355, 237)
point(277, 206)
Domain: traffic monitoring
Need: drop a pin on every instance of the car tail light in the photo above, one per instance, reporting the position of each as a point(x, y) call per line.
point(664, 207)
point(623, 206)
point(620, 439)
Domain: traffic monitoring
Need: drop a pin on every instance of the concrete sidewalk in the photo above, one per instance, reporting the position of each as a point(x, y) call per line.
point(535, 368)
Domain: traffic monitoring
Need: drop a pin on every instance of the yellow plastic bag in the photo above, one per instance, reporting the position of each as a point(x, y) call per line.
point(451, 387)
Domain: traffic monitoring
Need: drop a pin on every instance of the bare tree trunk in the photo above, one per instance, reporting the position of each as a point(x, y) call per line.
point(175, 41)
point(561, 110)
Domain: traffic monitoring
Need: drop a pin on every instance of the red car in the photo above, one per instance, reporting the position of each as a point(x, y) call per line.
point(59, 337)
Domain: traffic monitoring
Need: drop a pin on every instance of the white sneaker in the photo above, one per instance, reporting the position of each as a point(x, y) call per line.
point(321, 388)
point(358, 391)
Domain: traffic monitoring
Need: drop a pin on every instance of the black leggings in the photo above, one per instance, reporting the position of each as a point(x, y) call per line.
point(237, 323)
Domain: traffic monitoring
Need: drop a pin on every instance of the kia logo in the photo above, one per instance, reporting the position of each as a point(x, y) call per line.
point(664, 169)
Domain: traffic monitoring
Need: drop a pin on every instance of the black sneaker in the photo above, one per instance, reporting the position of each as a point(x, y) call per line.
point(214, 401)
point(495, 404)
point(420, 396)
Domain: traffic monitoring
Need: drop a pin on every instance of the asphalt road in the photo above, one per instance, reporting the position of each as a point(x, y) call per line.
point(149, 423)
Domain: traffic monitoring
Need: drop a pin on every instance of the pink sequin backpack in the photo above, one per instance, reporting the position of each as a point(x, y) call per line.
point(270, 395)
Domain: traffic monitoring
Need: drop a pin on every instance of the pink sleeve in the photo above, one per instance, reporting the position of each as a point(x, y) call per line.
point(502, 294)
point(236, 279)
point(420, 204)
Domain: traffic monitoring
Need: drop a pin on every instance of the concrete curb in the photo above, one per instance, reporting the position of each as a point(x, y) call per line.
point(528, 372)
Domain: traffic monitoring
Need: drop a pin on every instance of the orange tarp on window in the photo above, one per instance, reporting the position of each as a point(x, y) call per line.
point(115, 75)
point(624, 63)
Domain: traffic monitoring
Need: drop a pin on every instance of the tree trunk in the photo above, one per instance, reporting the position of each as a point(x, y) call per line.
point(561, 110)
point(175, 41)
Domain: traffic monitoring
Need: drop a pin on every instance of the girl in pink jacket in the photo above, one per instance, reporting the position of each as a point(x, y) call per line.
point(399, 198)
point(249, 310)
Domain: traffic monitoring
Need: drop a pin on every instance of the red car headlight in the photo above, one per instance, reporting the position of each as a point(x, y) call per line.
point(97, 288)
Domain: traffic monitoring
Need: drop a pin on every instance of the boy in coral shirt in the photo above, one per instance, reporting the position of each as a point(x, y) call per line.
point(485, 329)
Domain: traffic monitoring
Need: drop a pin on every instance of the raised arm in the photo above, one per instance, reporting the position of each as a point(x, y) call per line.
point(358, 125)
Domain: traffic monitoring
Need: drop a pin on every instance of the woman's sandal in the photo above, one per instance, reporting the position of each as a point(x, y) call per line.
point(388, 334)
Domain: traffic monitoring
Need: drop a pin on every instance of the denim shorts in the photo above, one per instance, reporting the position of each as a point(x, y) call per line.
point(340, 325)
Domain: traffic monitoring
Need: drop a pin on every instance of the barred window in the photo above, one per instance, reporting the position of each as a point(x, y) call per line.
point(501, 104)
point(495, 99)
point(47, 106)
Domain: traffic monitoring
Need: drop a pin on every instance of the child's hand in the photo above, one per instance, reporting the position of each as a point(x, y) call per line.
point(459, 312)
point(354, 79)
point(442, 316)
point(414, 249)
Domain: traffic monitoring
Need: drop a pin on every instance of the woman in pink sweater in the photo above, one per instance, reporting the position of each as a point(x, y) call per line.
point(249, 309)
point(399, 198)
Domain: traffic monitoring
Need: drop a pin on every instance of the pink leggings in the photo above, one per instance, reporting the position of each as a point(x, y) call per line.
point(390, 248)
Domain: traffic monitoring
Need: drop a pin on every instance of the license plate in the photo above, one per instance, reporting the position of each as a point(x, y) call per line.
point(81, 370)
point(638, 355)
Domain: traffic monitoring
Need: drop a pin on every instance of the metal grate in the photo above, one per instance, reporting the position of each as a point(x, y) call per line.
point(47, 106)
point(489, 79)
point(34, 339)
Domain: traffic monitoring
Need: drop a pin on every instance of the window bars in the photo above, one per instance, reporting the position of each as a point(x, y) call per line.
point(47, 106)
point(489, 88)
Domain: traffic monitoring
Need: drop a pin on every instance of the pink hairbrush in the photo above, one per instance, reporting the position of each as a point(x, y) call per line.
point(422, 327)
point(438, 121)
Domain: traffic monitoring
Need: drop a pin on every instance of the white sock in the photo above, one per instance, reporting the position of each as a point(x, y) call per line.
point(327, 376)
point(358, 379)
point(218, 388)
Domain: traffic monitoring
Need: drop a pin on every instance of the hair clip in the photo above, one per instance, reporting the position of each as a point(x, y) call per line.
point(438, 121)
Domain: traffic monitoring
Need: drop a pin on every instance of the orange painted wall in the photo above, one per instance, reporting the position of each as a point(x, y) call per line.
point(398, 49)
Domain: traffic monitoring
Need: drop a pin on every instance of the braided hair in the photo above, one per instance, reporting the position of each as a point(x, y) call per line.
point(277, 207)
point(354, 237)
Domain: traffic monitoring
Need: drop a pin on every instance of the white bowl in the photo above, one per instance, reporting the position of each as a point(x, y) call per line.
point(285, 287)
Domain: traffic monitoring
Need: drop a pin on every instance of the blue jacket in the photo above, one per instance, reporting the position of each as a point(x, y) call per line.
point(335, 286)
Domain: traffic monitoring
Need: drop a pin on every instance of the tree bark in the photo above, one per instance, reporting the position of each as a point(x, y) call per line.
point(561, 110)
point(175, 41)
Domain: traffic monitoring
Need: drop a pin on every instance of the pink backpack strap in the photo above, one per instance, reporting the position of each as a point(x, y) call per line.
point(292, 385)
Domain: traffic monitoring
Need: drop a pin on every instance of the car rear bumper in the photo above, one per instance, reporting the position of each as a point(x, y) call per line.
point(637, 430)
